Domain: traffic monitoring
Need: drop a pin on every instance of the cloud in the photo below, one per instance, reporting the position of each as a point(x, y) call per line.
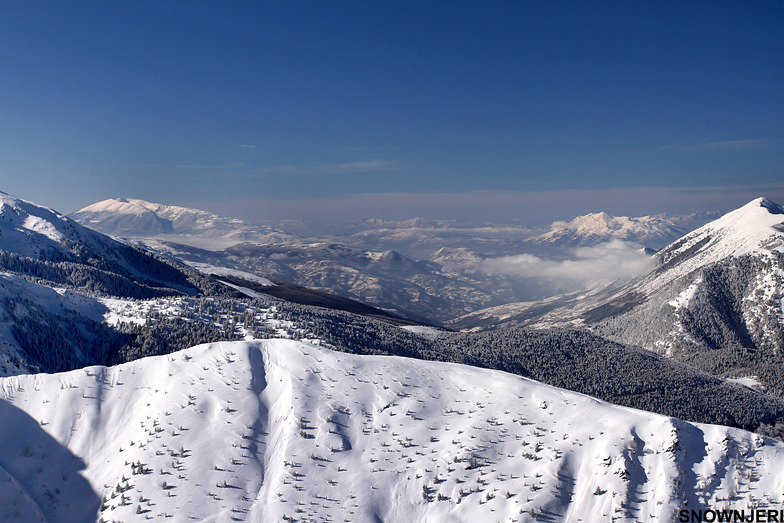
point(604, 262)
point(246, 146)
point(372, 165)
point(717, 146)
point(366, 166)
point(365, 148)
point(201, 166)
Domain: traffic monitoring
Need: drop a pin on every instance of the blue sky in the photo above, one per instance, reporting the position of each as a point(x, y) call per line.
point(342, 110)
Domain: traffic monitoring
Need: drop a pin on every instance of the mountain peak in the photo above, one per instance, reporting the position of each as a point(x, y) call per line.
point(745, 230)
point(771, 206)
point(598, 227)
point(755, 220)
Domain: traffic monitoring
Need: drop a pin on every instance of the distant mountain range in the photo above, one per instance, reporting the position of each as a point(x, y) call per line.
point(421, 239)
point(428, 270)
point(650, 231)
point(266, 421)
point(133, 218)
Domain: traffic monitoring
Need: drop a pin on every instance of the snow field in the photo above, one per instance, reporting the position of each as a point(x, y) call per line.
point(283, 430)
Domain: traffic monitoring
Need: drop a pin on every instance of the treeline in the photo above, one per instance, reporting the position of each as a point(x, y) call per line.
point(164, 337)
point(59, 342)
point(156, 277)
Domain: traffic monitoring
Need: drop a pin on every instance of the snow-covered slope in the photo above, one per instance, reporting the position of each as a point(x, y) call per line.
point(283, 430)
point(757, 226)
point(135, 218)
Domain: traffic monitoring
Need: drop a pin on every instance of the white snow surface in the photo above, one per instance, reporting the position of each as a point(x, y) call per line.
point(225, 271)
point(423, 330)
point(751, 382)
point(277, 429)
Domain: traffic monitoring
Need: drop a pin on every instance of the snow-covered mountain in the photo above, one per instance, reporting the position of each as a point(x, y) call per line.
point(52, 270)
point(33, 231)
point(714, 300)
point(133, 218)
point(756, 229)
point(41, 243)
point(283, 431)
point(595, 228)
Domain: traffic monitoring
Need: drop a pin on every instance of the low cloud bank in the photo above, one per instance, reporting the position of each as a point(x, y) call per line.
point(604, 262)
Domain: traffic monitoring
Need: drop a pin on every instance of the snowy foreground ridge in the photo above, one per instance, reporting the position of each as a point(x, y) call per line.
point(282, 430)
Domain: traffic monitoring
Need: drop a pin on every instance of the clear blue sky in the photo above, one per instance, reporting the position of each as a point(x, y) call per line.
point(291, 109)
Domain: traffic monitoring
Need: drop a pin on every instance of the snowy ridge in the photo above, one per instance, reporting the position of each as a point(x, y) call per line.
point(136, 218)
point(595, 228)
point(751, 228)
point(280, 430)
point(225, 271)
point(29, 229)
